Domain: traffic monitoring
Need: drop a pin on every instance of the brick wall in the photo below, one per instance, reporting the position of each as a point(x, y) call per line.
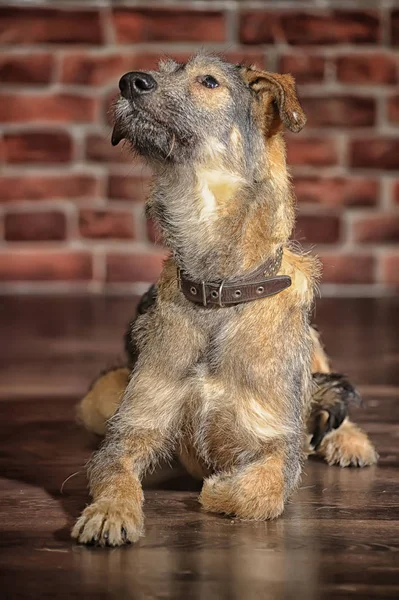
point(71, 206)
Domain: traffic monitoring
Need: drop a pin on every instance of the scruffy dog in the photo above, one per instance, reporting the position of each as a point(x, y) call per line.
point(223, 352)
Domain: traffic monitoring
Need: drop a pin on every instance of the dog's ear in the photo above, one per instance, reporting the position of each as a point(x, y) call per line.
point(278, 95)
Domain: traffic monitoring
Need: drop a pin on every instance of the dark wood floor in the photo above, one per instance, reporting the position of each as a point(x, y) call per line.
point(339, 537)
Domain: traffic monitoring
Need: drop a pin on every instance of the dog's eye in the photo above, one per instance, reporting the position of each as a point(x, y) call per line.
point(209, 81)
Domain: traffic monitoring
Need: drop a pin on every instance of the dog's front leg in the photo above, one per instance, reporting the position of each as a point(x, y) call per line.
point(144, 428)
point(258, 490)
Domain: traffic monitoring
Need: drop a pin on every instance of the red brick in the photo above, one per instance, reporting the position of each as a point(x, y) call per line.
point(311, 151)
point(339, 111)
point(367, 68)
point(347, 268)
point(21, 108)
point(395, 28)
point(102, 224)
point(375, 153)
point(247, 57)
point(260, 27)
point(134, 267)
point(333, 27)
point(99, 149)
point(377, 229)
point(25, 69)
point(107, 106)
point(123, 187)
point(37, 147)
point(47, 187)
point(101, 69)
point(27, 25)
point(390, 269)
point(40, 265)
point(35, 227)
point(177, 25)
point(337, 191)
point(89, 69)
point(393, 109)
point(306, 68)
point(317, 229)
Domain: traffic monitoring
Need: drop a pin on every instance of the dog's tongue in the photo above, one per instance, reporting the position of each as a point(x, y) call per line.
point(116, 136)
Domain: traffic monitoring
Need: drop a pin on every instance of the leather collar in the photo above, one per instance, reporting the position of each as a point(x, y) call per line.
point(261, 283)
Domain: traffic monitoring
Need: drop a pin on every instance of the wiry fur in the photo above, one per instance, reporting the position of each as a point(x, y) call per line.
point(230, 388)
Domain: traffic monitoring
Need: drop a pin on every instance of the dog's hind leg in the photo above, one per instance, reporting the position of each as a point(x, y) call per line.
point(103, 399)
point(333, 435)
point(106, 392)
point(347, 446)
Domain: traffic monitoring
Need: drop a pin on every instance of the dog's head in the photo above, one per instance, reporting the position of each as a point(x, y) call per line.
point(206, 107)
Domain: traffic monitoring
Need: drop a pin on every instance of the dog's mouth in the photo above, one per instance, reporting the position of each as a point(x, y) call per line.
point(125, 115)
point(133, 123)
point(151, 134)
point(117, 135)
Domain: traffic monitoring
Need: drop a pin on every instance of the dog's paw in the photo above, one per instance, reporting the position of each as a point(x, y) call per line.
point(332, 396)
point(242, 496)
point(216, 495)
point(348, 446)
point(109, 523)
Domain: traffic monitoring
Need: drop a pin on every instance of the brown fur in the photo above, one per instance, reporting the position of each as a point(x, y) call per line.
point(348, 446)
point(230, 387)
point(102, 400)
point(320, 362)
point(256, 491)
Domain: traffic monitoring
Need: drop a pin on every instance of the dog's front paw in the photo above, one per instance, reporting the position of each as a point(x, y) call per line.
point(216, 495)
point(109, 523)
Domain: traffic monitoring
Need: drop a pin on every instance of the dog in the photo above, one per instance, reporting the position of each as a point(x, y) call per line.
point(222, 351)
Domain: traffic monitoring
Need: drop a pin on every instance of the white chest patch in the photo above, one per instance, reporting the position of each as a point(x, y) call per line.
point(215, 189)
point(208, 201)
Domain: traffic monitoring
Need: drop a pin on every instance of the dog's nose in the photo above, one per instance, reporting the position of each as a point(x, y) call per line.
point(136, 83)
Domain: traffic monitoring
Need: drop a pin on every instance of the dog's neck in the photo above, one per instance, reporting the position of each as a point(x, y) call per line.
point(218, 222)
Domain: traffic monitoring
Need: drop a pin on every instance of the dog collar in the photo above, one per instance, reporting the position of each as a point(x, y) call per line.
point(261, 283)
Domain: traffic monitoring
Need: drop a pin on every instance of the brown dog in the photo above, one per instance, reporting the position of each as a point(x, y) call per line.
point(225, 351)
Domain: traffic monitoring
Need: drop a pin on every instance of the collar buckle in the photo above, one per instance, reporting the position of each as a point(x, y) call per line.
point(203, 287)
point(220, 294)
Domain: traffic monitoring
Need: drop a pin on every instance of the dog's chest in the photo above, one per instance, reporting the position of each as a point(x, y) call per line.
point(227, 427)
point(243, 390)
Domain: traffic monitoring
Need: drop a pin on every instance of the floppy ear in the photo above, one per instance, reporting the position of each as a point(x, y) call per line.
point(281, 90)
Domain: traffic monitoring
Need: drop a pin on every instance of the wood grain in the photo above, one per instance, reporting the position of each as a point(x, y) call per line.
point(339, 537)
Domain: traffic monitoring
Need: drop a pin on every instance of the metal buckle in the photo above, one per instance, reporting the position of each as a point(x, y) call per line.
point(220, 294)
point(204, 302)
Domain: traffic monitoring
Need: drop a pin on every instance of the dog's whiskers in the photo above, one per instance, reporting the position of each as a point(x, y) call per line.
point(171, 147)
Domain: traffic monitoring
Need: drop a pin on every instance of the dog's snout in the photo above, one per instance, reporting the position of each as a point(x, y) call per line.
point(136, 83)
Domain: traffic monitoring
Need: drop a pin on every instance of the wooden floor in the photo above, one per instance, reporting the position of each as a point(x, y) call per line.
point(339, 537)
